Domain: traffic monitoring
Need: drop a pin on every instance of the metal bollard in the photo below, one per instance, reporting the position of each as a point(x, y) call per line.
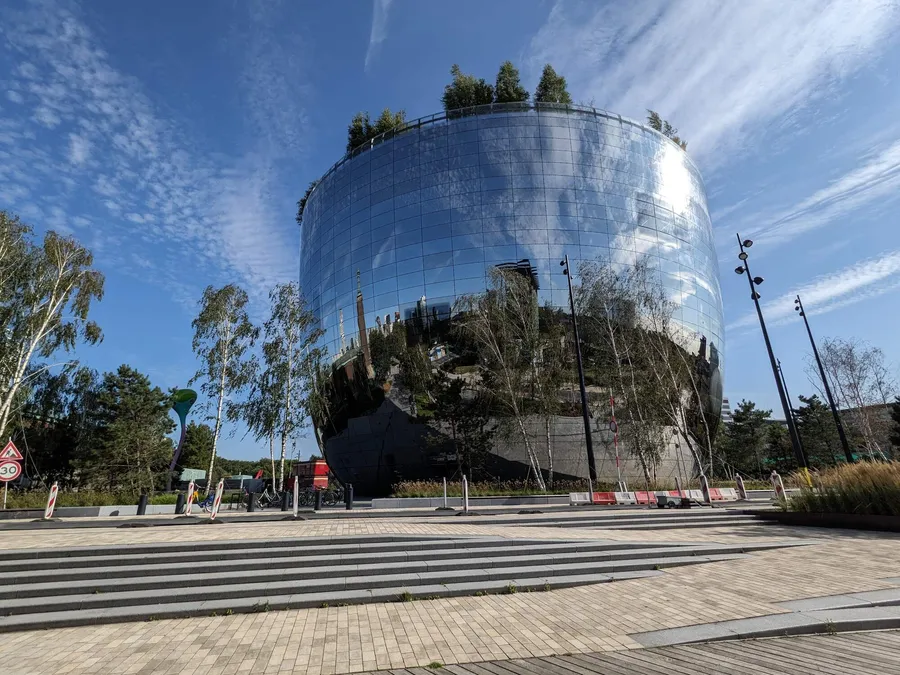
point(465, 494)
point(741, 490)
point(251, 502)
point(296, 497)
point(142, 504)
point(179, 503)
point(348, 497)
point(318, 504)
point(284, 500)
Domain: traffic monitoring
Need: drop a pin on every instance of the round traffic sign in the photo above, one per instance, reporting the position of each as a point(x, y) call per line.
point(613, 427)
point(9, 471)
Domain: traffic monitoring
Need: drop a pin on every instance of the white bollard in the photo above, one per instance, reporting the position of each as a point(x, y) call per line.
point(190, 499)
point(465, 490)
point(51, 501)
point(445, 492)
point(218, 500)
point(777, 485)
point(741, 490)
point(296, 497)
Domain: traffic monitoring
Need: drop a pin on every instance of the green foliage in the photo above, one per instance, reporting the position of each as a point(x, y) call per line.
point(197, 447)
point(508, 88)
point(301, 205)
point(387, 349)
point(131, 418)
point(223, 334)
point(818, 433)
point(552, 88)
point(466, 91)
point(46, 291)
point(361, 129)
point(744, 443)
point(871, 488)
point(654, 121)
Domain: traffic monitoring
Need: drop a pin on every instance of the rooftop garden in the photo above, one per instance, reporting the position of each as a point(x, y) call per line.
point(462, 97)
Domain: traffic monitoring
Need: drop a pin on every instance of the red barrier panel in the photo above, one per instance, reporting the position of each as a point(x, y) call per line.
point(715, 495)
point(645, 497)
point(605, 498)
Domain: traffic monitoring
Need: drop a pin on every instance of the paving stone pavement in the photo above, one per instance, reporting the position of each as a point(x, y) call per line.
point(587, 619)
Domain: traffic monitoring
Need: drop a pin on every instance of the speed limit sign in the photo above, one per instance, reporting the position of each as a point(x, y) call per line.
point(9, 471)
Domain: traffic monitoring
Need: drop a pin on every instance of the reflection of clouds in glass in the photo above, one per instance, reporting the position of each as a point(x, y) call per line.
point(675, 185)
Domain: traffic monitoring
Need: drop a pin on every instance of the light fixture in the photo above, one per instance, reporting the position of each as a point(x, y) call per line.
point(738, 270)
point(758, 280)
point(742, 255)
point(748, 243)
point(755, 296)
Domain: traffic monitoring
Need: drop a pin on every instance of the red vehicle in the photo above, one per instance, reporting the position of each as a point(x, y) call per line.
point(312, 474)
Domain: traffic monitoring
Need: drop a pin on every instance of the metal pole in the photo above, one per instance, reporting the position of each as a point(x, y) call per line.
point(592, 466)
point(615, 429)
point(834, 412)
point(792, 430)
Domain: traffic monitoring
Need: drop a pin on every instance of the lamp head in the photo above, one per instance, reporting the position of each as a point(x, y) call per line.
point(758, 280)
point(748, 243)
point(738, 270)
point(755, 296)
point(742, 255)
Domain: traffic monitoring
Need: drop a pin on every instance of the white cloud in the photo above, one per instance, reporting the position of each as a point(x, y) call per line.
point(875, 181)
point(379, 29)
point(15, 96)
point(79, 149)
point(46, 117)
point(861, 281)
point(723, 72)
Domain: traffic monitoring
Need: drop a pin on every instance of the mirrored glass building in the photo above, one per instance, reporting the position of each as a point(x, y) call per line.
point(400, 229)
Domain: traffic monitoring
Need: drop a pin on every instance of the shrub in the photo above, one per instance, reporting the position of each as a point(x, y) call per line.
point(870, 488)
point(422, 488)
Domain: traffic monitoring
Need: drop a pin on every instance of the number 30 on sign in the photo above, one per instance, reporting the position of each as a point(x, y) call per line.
point(9, 471)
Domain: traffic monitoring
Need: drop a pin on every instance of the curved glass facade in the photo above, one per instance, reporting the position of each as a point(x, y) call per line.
point(421, 216)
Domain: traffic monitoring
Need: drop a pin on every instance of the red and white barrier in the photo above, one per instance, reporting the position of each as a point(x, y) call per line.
point(604, 498)
point(643, 497)
point(728, 494)
point(579, 498)
point(51, 501)
point(741, 490)
point(217, 501)
point(625, 498)
point(190, 499)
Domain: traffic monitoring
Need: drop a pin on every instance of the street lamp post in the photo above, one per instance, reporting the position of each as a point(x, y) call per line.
point(798, 306)
point(786, 392)
point(592, 465)
point(788, 417)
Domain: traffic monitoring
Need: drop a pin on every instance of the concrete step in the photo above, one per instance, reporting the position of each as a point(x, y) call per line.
point(274, 601)
point(89, 601)
point(706, 522)
point(653, 522)
point(48, 586)
point(130, 565)
point(639, 513)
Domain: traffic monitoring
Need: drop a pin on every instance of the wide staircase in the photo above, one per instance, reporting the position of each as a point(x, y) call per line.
point(88, 585)
point(631, 519)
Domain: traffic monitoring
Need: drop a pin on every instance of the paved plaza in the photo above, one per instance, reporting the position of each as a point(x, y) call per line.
point(590, 619)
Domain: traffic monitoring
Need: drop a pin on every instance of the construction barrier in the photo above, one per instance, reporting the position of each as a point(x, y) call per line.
point(220, 488)
point(578, 498)
point(644, 497)
point(625, 498)
point(604, 498)
point(715, 495)
point(729, 494)
point(695, 495)
point(51, 501)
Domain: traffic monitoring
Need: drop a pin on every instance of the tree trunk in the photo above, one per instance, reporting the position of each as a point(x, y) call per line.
point(218, 427)
point(532, 457)
point(272, 455)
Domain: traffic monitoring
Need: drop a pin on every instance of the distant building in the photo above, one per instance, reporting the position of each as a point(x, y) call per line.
point(726, 412)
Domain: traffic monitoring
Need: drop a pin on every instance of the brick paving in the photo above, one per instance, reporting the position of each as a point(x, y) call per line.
point(586, 619)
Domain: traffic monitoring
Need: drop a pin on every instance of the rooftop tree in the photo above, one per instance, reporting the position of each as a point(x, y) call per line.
point(466, 91)
point(552, 88)
point(654, 121)
point(509, 89)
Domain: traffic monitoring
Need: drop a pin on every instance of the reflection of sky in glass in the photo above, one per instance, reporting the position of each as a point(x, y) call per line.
point(425, 214)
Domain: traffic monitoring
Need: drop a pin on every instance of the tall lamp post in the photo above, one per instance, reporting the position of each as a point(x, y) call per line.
point(788, 417)
point(592, 465)
point(798, 306)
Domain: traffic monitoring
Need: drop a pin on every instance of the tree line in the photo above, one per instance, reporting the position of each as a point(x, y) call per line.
point(110, 431)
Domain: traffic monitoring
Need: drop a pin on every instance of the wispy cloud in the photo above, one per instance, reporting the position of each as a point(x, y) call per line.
point(723, 72)
point(861, 281)
point(149, 191)
point(875, 181)
point(379, 29)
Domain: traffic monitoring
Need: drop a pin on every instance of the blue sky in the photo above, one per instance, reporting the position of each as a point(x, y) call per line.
point(174, 139)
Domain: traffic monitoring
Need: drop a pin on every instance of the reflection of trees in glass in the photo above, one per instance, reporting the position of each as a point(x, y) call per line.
point(503, 325)
point(463, 411)
point(654, 121)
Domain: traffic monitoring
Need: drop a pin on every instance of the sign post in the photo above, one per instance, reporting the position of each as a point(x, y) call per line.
point(190, 499)
point(10, 469)
point(217, 500)
point(51, 502)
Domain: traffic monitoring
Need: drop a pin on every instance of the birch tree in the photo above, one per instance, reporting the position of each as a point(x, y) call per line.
point(45, 298)
point(291, 334)
point(503, 324)
point(223, 335)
